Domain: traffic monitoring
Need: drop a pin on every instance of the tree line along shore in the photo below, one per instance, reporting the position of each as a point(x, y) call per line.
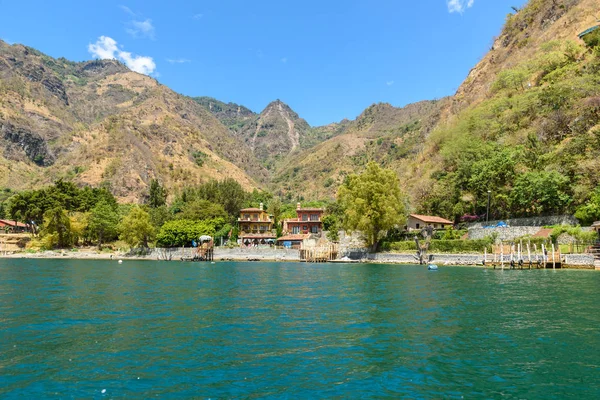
point(65, 216)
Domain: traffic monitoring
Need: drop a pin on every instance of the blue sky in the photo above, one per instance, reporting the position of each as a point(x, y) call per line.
point(327, 59)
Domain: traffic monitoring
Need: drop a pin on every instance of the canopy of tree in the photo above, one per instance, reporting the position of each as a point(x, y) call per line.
point(372, 203)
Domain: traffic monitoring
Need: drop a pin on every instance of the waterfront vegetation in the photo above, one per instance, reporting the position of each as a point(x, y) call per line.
point(534, 142)
point(66, 216)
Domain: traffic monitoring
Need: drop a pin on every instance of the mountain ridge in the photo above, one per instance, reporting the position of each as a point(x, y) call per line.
point(98, 123)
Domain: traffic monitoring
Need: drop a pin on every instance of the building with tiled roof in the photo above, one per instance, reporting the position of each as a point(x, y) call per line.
point(307, 221)
point(255, 227)
point(417, 222)
point(12, 226)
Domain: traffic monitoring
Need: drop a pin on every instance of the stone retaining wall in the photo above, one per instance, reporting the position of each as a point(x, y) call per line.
point(579, 259)
point(223, 253)
point(242, 253)
point(504, 234)
point(535, 221)
point(469, 259)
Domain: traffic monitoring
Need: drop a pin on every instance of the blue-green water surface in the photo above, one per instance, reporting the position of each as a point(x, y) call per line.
point(97, 329)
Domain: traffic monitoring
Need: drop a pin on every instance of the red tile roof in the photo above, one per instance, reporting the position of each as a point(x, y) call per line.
point(13, 223)
point(254, 209)
point(310, 209)
point(431, 219)
point(543, 233)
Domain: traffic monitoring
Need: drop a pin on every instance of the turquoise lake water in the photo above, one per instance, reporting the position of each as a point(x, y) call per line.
point(97, 329)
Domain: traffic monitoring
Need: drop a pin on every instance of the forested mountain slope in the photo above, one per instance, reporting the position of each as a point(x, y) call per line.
point(523, 125)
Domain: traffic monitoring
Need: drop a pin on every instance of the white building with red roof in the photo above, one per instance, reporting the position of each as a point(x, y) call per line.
point(418, 222)
point(12, 226)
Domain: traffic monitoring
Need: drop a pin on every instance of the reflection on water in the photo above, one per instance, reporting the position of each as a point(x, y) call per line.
point(71, 329)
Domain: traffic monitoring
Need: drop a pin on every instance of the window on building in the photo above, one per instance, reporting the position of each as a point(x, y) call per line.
point(314, 217)
point(304, 228)
point(314, 229)
point(304, 217)
point(417, 225)
point(296, 229)
point(246, 216)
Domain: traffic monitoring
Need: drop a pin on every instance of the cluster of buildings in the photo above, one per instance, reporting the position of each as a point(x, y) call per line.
point(256, 226)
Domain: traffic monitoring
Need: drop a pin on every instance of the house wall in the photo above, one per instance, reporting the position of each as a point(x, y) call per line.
point(414, 223)
point(289, 226)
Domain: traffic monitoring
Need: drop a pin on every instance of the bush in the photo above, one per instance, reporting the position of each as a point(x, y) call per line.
point(182, 232)
point(199, 157)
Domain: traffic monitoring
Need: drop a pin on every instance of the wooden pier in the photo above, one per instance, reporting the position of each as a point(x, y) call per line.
point(517, 256)
point(204, 252)
point(320, 253)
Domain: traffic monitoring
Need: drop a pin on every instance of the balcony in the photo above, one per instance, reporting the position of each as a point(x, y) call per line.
point(255, 220)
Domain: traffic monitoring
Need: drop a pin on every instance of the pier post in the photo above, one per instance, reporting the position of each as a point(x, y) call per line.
point(529, 253)
point(544, 254)
point(553, 257)
point(502, 255)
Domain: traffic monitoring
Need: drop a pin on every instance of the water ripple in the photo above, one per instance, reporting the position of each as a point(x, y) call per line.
point(71, 329)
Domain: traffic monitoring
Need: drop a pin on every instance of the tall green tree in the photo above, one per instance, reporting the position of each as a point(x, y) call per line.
point(136, 228)
point(182, 232)
point(158, 194)
point(57, 228)
point(540, 193)
point(200, 210)
point(590, 211)
point(102, 223)
point(372, 203)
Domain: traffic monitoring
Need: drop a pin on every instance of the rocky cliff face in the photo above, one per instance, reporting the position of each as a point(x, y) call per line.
point(20, 140)
point(98, 123)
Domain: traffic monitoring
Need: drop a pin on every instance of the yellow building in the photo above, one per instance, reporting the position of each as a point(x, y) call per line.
point(256, 227)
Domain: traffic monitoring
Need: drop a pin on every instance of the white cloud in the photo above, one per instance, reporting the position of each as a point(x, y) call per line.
point(104, 48)
point(141, 29)
point(197, 16)
point(127, 10)
point(178, 60)
point(389, 83)
point(107, 48)
point(459, 6)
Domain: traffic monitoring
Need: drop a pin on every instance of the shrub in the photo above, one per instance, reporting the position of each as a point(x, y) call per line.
point(182, 232)
point(199, 157)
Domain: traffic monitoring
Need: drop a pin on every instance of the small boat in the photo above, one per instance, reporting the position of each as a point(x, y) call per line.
point(432, 267)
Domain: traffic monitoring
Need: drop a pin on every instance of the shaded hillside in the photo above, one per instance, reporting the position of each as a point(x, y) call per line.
point(382, 133)
point(98, 123)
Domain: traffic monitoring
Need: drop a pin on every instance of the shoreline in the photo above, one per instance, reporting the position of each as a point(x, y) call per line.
point(256, 256)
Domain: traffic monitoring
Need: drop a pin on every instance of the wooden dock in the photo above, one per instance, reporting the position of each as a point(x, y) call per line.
point(204, 252)
point(517, 256)
point(320, 253)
